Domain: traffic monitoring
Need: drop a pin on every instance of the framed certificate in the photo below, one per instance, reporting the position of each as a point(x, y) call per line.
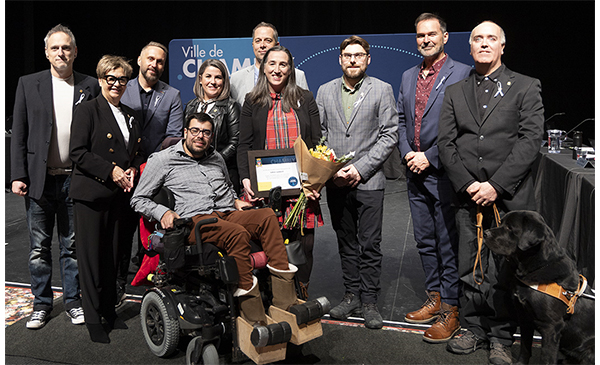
point(271, 168)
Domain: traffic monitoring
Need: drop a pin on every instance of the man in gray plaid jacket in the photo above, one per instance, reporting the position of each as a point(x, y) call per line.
point(358, 113)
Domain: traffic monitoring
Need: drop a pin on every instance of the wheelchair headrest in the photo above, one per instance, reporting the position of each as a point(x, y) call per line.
point(169, 141)
point(165, 197)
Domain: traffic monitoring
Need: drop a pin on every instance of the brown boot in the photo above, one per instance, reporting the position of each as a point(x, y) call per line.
point(428, 311)
point(251, 305)
point(446, 325)
point(284, 291)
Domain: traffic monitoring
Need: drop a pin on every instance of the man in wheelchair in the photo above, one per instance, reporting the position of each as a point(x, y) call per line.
point(198, 177)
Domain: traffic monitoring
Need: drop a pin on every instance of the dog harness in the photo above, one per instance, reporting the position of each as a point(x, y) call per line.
point(558, 292)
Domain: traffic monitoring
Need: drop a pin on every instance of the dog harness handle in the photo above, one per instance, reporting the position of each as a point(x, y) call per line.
point(558, 292)
point(480, 241)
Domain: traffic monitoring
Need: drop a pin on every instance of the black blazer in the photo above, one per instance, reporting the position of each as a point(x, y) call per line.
point(253, 128)
point(97, 145)
point(33, 116)
point(502, 146)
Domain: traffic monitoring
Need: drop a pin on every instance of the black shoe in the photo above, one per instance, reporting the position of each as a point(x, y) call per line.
point(97, 333)
point(372, 317)
point(350, 305)
point(465, 343)
point(115, 323)
point(500, 354)
point(37, 320)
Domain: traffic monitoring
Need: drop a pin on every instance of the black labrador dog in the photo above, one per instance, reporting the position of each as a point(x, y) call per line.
point(524, 239)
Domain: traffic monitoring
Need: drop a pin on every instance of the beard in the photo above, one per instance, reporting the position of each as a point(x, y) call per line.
point(149, 77)
point(355, 73)
point(196, 152)
point(434, 51)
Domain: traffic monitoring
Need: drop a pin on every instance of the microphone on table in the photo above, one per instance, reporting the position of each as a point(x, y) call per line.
point(577, 139)
point(583, 121)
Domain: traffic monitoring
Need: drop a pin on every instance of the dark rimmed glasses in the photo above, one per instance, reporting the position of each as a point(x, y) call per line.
point(110, 79)
point(196, 131)
point(358, 56)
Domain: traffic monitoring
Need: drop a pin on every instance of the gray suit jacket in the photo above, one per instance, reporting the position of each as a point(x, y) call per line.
point(242, 82)
point(502, 146)
point(33, 116)
point(372, 131)
point(164, 117)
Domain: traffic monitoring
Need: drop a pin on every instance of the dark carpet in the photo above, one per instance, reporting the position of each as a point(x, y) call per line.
point(402, 290)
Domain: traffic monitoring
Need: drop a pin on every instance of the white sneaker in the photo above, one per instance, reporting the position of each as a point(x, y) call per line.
point(37, 320)
point(76, 315)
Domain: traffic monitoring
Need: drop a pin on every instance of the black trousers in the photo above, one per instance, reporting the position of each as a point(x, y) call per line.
point(487, 308)
point(357, 217)
point(100, 226)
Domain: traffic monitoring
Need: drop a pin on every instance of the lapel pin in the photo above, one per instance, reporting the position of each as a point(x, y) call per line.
point(441, 82)
point(80, 98)
point(508, 83)
point(499, 90)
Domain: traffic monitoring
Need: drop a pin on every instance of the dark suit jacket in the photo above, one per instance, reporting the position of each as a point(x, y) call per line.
point(97, 145)
point(450, 73)
point(33, 116)
point(501, 147)
point(164, 117)
point(253, 129)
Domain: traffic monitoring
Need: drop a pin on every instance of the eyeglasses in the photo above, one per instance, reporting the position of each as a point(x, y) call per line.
point(110, 79)
point(359, 56)
point(196, 131)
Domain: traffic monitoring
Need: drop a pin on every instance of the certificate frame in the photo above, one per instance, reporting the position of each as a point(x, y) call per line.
point(258, 179)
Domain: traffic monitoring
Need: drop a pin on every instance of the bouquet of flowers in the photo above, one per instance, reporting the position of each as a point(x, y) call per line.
point(315, 166)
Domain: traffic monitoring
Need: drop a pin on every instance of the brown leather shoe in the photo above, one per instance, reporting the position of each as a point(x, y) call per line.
point(445, 327)
point(428, 311)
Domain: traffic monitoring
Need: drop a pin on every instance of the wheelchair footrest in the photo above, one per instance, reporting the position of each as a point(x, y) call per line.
point(311, 310)
point(300, 333)
point(260, 355)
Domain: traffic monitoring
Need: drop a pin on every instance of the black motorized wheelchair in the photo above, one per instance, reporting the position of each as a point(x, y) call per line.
point(193, 297)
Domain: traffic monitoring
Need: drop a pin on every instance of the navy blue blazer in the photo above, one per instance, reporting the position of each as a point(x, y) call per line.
point(451, 73)
point(164, 117)
point(33, 116)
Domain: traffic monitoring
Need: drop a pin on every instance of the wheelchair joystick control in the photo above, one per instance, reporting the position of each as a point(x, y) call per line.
point(310, 310)
point(271, 335)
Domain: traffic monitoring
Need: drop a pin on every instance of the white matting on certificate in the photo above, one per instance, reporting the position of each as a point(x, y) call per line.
point(272, 168)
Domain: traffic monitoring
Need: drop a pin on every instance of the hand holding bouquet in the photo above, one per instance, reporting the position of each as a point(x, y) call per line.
point(315, 167)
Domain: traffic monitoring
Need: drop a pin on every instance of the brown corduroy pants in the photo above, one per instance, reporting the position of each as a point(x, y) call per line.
point(233, 232)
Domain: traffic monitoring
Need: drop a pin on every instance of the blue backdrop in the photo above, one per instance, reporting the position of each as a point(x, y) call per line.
point(317, 56)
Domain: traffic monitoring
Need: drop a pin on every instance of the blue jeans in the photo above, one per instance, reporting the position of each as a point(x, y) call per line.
point(55, 202)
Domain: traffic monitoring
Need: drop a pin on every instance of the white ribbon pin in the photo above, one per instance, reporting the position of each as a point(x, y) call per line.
point(80, 99)
point(157, 100)
point(362, 96)
point(499, 90)
point(441, 82)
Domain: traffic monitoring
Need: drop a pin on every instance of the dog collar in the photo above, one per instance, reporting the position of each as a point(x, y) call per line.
point(566, 296)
